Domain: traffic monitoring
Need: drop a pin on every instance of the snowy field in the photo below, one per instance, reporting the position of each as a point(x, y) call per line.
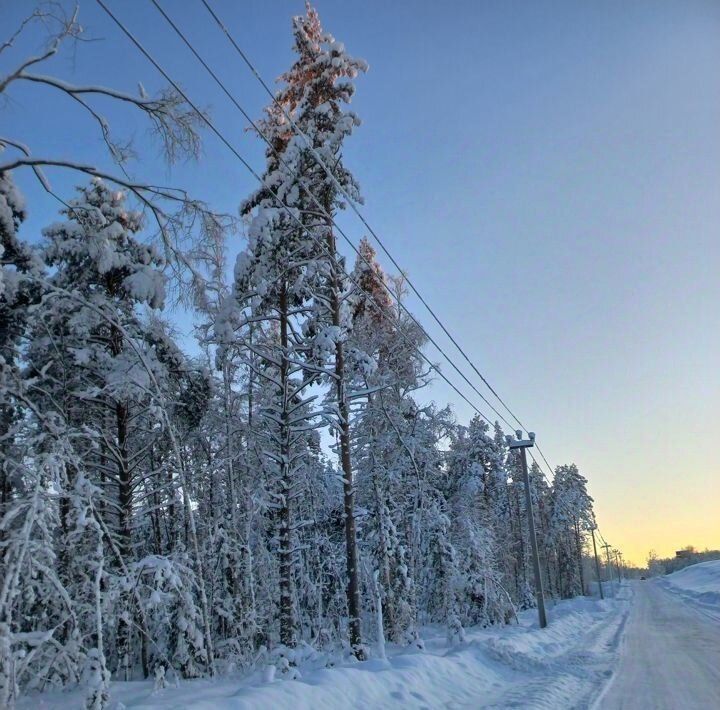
point(698, 584)
point(563, 666)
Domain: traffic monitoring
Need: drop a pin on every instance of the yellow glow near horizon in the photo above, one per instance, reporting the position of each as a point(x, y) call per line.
point(667, 501)
point(637, 536)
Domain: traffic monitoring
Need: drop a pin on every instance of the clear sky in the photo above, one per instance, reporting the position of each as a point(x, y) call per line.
point(547, 172)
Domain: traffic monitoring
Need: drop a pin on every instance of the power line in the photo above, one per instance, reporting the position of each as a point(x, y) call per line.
point(550, 483)
point(212, 127)
point(317, 203)
point(355, 209)
point(547, 463)
point(224, 140)
point(353, 206)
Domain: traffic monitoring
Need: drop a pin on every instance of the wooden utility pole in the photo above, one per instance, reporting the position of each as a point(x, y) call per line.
point(597, 563)
point(523, 444)
point(609, 566)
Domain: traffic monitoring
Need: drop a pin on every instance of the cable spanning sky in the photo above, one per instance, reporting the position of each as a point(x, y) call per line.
point(549, 175)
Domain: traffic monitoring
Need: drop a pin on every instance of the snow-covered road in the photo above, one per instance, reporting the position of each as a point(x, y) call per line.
point(670, 657)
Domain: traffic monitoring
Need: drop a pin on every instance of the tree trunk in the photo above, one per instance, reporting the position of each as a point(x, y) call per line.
point(125, 513)
point(387, 600)
point(155, 514)
point(578, 540)
point(124, 487)
point(65, 510)
point(353, 585)
point(124, 503)
point(287, 618)
point(171, 511)
point(249, 562)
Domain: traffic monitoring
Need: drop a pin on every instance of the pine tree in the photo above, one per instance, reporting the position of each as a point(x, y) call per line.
point(385, 377)
point(26, 512)
point(273, 284)
point(261, 502)
point(316, 88)
point(313, 287)
point(570, 517)
point(478, 492)
point(20, 271)
point(115, 378)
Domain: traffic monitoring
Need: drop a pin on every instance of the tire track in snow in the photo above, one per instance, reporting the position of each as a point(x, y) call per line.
point(558, 675)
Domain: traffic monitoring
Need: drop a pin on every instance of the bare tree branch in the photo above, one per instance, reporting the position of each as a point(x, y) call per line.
point(175, 124)
point(37, 14)
point(186, 228)
point(69, 27)
point(188, 220)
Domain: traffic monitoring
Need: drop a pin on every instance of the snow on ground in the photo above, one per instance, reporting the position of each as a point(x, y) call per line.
point(565, 665)
point(698, 584)
point(701, 578)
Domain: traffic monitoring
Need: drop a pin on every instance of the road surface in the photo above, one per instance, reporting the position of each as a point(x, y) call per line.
point(670, 657)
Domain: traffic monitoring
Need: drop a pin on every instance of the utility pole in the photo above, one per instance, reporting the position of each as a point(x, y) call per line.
point(609, 566)
point(597, 563)
point(523, 444)
point(617, 565)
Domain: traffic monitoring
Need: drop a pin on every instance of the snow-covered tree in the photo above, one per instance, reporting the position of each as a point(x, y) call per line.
point(260, 502)
point(570, 518)
point(315, 91)
point(479, 498)
point(116, 379)
point(20, 270)
point(292, 267)
point(380, 376)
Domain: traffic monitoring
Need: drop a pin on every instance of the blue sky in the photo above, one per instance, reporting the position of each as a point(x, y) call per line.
point(548, 173)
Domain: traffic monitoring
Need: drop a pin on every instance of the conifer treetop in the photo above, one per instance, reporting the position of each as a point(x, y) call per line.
point(98, 240)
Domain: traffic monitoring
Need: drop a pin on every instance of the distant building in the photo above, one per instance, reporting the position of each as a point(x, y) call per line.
point(683, 554)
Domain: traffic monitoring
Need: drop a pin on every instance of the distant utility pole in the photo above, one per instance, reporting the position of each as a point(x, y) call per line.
point(597, 563)
point(619, 563)
point(609, 566)
point(523, 444)
point(617, 566)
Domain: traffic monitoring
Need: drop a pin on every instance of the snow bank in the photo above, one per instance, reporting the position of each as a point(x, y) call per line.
point(701, 578)
point(564, 665)
point(698, 584)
